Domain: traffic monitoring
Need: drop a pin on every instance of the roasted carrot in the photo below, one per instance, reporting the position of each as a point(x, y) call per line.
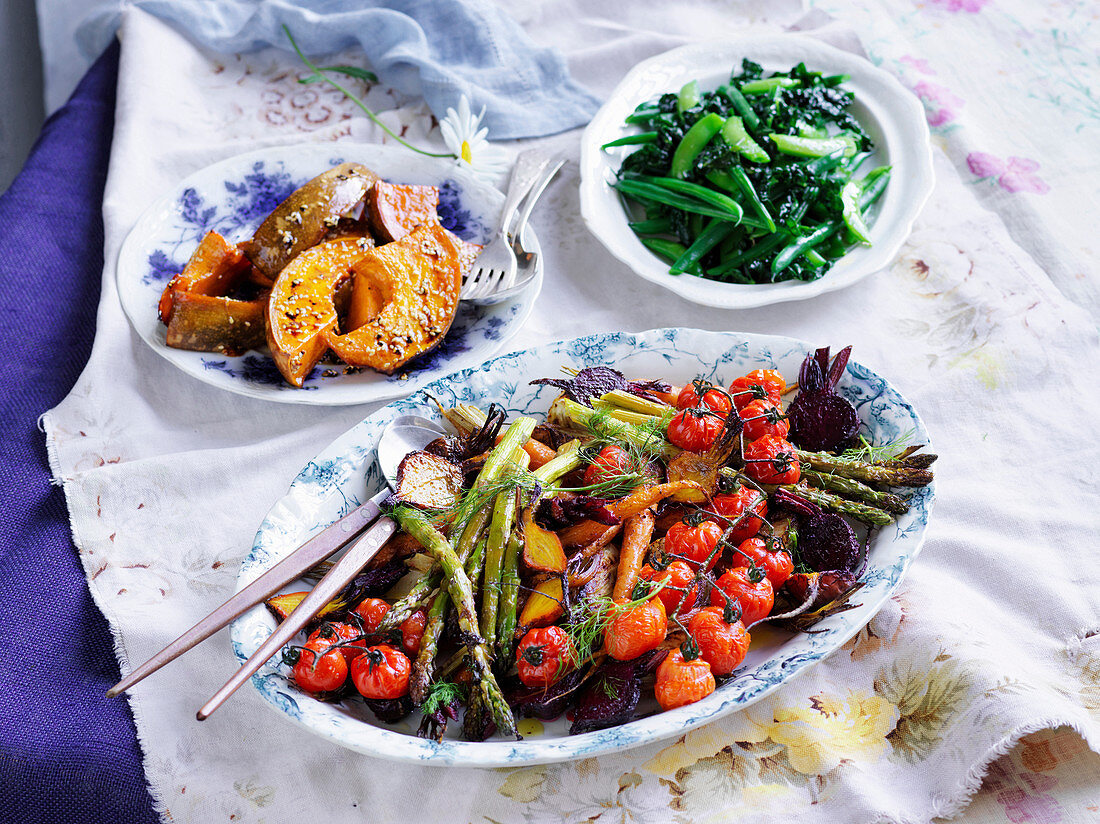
point(637, 531)
point(539, 453)
point(640, 499)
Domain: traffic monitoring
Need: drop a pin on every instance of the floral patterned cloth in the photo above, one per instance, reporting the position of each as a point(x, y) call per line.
point(994, 635)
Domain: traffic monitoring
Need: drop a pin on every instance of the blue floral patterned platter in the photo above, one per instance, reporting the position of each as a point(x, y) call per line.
point(232, 197)
point(346, 473)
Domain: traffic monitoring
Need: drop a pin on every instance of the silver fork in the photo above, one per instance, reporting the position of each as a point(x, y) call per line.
point(497, 261)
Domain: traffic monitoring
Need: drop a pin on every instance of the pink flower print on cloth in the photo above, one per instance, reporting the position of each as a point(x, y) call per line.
point(940, 103)
point(955, 6)
point(1017, 174)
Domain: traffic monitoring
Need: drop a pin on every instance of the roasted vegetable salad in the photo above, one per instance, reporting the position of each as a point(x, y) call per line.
point(754, 181)
point(625, 546)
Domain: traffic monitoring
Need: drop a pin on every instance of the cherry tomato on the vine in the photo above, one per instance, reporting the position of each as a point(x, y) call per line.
point(721, 644)
point(772, 460)
point(695, 430)
point(637, 630)
point(319, 667)
point(732, 505)
point(680, 681)
point(679, 581)
point(750, 588)
point(348, 636)
point(694, 543)
point(612, 462)
point(764, 553)
point(711, 397)
point(412, 630)
point(543, 656)
point(763, 418)
point(371, 611)
point(381, 672)
point(759, 382)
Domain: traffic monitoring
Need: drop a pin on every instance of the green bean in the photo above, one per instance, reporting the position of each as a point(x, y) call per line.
point(737, 181)
point(653, 226)
point(702, 193)
point(715, 233)
point(694, 141)
point(793, 250)
point(631, 140)
point(758, 249)
point(647, 191)
point(743, 108)
point(670, 250)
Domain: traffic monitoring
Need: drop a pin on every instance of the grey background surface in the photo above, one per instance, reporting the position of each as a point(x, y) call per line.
point(21, 103)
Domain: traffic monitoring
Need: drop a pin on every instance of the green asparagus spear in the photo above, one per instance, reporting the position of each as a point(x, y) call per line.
point(459, 588)
point(866, 472)
point(508, 615)
point(854, 489)
point(834, 503)
point(500, 530)
point(421, 593)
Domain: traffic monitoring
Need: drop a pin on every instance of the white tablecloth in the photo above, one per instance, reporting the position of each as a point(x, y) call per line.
point(992, 636)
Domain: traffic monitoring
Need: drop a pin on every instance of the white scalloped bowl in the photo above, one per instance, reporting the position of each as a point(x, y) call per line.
point(892, 116)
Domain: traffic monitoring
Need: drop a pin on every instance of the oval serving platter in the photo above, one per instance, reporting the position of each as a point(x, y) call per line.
point(345, 474)
point(892, 116)
point(233, 196)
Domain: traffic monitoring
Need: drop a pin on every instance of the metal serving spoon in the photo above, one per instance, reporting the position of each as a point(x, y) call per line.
point(401, 436)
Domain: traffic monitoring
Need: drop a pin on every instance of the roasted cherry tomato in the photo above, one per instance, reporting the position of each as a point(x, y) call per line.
point(695, 430)
point(347, 636)
point(543, 656)
point(700, 393)
point(381, 672)
point(612, 462)
point(763, 418)
point(772, 460)
point(750, 588)
point(760, 382)
point(679, 581)
point(721, 644)
point(636, 631)
point(766, 554)
point(412, 630)
point(320, 668)
point(694, 543)
point(371, 611)
point(732, 505)
point(681, 682)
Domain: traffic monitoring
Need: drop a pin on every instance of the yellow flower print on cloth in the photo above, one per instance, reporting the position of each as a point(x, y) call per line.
point(828, 729)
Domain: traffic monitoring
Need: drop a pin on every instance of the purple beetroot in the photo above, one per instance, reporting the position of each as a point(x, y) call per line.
point(821, 420)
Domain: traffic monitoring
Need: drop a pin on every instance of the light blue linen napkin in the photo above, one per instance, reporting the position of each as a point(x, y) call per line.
point(439, 49)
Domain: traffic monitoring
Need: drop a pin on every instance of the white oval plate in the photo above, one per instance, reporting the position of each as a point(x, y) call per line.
point(892, 116)
point(345, 474)
point(233, 197)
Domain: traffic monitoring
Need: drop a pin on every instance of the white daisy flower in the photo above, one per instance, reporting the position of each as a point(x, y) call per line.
point(464, 136)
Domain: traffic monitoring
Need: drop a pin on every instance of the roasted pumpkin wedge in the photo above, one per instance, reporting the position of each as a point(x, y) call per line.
point(215, 267)
point(428, 481)
point(409, 291)
point(302, 307)
point(302, 220)
point(396, 209)
point(208, 323)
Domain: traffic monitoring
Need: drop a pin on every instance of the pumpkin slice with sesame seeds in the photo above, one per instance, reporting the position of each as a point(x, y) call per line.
point(303, 219)
point(404, 299)
point(302, 307)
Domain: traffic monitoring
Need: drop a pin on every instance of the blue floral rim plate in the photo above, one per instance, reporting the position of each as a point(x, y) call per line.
point(345, 474)
point(233, 196)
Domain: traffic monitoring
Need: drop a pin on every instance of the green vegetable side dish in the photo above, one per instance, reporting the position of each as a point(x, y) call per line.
point(754, 182)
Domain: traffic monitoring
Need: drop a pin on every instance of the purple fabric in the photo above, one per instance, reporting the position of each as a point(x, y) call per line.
point(67, 753)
